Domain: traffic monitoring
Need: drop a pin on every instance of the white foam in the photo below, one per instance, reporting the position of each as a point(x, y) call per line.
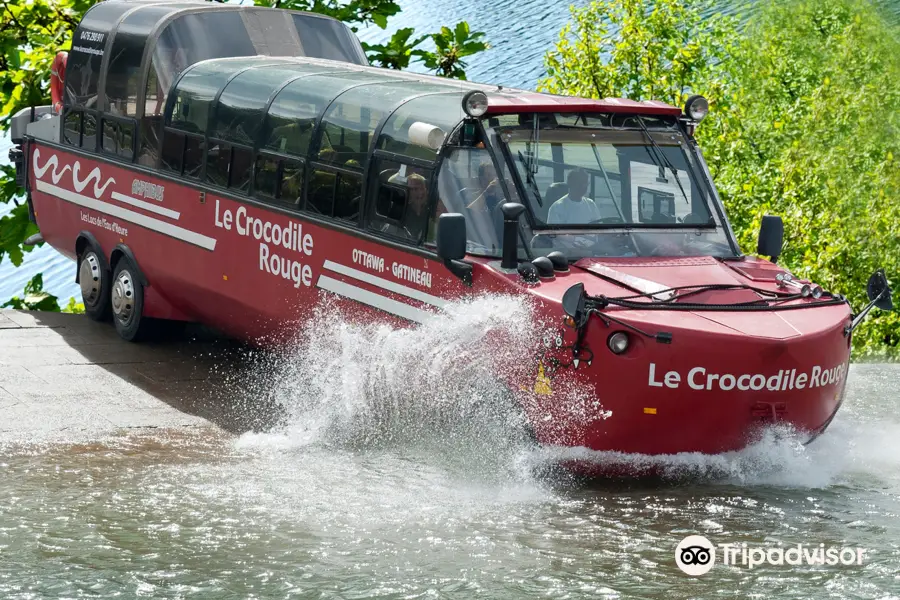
point(433, 393)
point(437, 388)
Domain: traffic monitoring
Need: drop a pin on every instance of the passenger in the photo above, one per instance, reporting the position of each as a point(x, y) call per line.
point(416, 219)
point(491, 194)
point(574, 208)
point(292, 138)
point(327, 155)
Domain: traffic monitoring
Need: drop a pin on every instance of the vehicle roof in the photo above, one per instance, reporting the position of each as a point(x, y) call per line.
point(501, 100)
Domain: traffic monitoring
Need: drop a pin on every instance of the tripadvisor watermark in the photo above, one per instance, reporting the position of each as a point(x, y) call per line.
point(696, 555)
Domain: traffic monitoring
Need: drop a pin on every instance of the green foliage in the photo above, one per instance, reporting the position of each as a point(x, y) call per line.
point(14, 228)
point(73, 307)
point(397, 53)
point(452, 45)
point(657, 49)
point(31, 33)
point(354, 13)
point(805, 123)
point(34, 298)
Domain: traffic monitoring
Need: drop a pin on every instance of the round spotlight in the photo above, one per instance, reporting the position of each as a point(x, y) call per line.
point(817, 292)
point(618, 342)
point(696, 107)
point(475, 103)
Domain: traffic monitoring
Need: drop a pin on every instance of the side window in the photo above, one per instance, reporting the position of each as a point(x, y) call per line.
point(400, 205)
point(89, 132)
point(291, 186)
point(320, 200)
point(126, 140)
point(173, 151)
point(194, 147)
point(465, 187)
point(217, 162)
point(117, 138)
point(110, 134)
point(151, 122)
point(279, 180)
point(347, 197)
point(72, 129)
point(241, 167)
point(229, 166)
point(266, 182)
point(335, 194)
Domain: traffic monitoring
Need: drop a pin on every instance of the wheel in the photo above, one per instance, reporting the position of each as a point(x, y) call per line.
point(127, 300)
point(94, 282)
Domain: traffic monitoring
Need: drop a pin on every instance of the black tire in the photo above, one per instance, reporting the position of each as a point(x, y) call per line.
point(127, 302)
point(94, 280)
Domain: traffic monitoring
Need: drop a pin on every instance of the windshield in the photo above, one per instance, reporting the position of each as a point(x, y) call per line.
point(610, 191)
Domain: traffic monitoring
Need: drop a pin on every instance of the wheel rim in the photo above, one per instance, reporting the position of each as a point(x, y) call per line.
point(123, 297)
point(89, 278)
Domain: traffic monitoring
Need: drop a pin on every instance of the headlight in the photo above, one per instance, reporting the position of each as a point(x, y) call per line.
point(475, 103)
point(696, 107)
point(618, 342)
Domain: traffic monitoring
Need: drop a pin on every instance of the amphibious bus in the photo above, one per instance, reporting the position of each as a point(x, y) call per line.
point(235, 166)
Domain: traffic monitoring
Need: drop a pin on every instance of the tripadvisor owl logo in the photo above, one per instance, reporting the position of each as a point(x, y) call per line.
point(695, 555)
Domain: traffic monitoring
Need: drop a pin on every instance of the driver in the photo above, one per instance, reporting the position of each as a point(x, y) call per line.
point(574, 208)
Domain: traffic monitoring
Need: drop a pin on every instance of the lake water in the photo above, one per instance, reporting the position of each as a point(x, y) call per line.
point(520, 32)
point(381, 483)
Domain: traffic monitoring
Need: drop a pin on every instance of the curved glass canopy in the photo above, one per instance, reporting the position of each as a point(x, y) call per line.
point(321, 110)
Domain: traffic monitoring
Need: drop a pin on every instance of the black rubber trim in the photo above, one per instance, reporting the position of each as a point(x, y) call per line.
point(127, 253)
point(95, 246)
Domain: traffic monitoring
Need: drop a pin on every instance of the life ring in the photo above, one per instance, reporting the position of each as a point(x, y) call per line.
point(58, 80)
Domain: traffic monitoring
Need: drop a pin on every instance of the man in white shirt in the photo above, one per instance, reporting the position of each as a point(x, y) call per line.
point(574, 208)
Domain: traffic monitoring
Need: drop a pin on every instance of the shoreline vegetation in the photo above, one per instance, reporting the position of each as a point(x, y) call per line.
point(804, 120)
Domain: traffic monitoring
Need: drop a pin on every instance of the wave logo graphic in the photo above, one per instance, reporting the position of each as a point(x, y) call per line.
point(77, 182)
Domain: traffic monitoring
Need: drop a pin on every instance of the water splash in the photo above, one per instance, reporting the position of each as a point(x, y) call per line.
point(435, 391)
point(778, 457)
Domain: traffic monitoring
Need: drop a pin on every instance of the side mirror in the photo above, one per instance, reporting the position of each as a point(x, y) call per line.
point(771, 237)
point(511, 213)
point(451, 236)
point(879, 291)
point(573, 304)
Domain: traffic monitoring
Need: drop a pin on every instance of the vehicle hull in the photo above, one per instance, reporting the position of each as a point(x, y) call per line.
point(212, 257)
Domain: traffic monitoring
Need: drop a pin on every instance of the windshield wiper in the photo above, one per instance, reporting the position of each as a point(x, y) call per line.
point(665, 159)
point(612, 195)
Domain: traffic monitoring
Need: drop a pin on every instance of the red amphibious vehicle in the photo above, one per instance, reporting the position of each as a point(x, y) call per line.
point(235, 165)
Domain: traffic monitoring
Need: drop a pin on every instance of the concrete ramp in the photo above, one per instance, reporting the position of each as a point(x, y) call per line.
point(66, 376)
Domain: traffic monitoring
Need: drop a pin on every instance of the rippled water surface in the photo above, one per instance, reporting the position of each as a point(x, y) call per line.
point(396, 472)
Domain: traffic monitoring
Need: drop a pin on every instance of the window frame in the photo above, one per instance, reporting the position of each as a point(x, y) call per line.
point(68, 113)
point(374, 184)
point(338, 171)
point(280, 160)
point(118, 123)
point(185, 136)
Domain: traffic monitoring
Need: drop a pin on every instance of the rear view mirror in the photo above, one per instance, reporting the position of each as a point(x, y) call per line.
point(879, 291)
point(771, 237)
point(573, 304)
point(451, 236)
